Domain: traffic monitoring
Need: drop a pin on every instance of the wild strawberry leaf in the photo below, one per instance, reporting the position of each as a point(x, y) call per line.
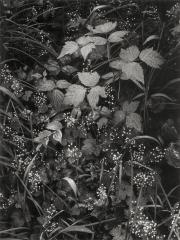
point(117, 36)
point(57, 136)
point(102, 28)
point(117, 64)
point(119, 117)
point(57, 97)
point(151, 58)
point(70, 47)
point(133, 71)
point(46, 85)
point(86, 50)
point(94, 94)
point(99, 41)
point(63, 84)
point(130, 54)
point(130, 107)
point(75, 95)
point(89, 79)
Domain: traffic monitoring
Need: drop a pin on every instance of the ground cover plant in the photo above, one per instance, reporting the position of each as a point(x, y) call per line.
point(89, 120)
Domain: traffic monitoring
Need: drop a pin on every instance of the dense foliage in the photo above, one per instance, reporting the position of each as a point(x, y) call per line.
point(89, 122)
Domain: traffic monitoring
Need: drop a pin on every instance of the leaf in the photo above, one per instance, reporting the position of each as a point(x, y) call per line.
point(119, 117)
point(99, 41)
point(94, 94)
point(102, 122)
point(151, 58)
point(57, 98)
point(107, 76)
point(63, 84)
point(133, 71)
point(172, 155)
point(70, 47)
point(150, 38)
point(84, 40)
point(46, 85)
point(86, 50)
point(57, 136)
point(117, 64)
point(130, 54)
point(74, 228)
point(89, 79)
point(68, 69)
point(54, 126)
point(75, 95)
point(102, 28)
point(133, 120)
point(90, 147)
point(43, 137)
point(72, 184)
point(37, 75)
point(117, 36)
point(130, 107)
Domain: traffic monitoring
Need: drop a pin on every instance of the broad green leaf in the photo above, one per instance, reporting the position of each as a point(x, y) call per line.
point(133, 71)
point(89, 79)
point(86, 50)
point(84, 40)
point(102, 28)
point(72, 184)
point(129, 54)
point(57, 97)
point(46, 85)
point(94, 94)
point(99, 41)
point(134, 120)
point(130, 107)
point(151, 58)
point(70, 47)
point(117, 36)
point(75, 95)
point(63, 84)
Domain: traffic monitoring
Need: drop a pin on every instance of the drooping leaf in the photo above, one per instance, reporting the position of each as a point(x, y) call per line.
point(57, 97)
point(89, 79)
point(130, 107)
point(133, 120)
point(117, 64)
point(94, 94)
point(75, 95)
point(86, 50)
point(46, 85)
point(130, 54)
point(102, 28)
point(133, 71)
point(70, 47)
point(62, 84)
point(54, 126)
point(72, 184)
point(151, 58)
point(117, 36)
point(57, 136)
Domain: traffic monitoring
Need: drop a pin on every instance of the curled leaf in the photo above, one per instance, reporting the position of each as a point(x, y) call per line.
point(72, 184)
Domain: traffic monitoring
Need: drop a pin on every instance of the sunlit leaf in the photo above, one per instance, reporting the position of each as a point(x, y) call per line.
point(130, 54)
point(57, 136)
point(62, 84)
point(86, 50)
point(117, 64)
point(151, 58)
point(70, 47)
point(102, 28)
point(75, 95)
point(133, 71)
point(89, 79)
point(94, 94)
point(57, 97)
point(46, 85)
point(55, 125)
point(117, 36)
point(72, 184)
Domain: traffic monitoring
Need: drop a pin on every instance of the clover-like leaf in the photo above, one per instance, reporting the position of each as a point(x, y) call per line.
point(151, 58)
point(46, 85)
point(94, 94)
point(89, 79)
point(130, 54)
point(70, 47)
point(75, 95)
point(63, 84)
point(117, 36)
point(133, 71)
point(86, 50)
point(134, 120)
point(102, 28)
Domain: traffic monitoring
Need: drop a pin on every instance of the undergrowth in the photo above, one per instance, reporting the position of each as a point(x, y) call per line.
point(89, 122)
